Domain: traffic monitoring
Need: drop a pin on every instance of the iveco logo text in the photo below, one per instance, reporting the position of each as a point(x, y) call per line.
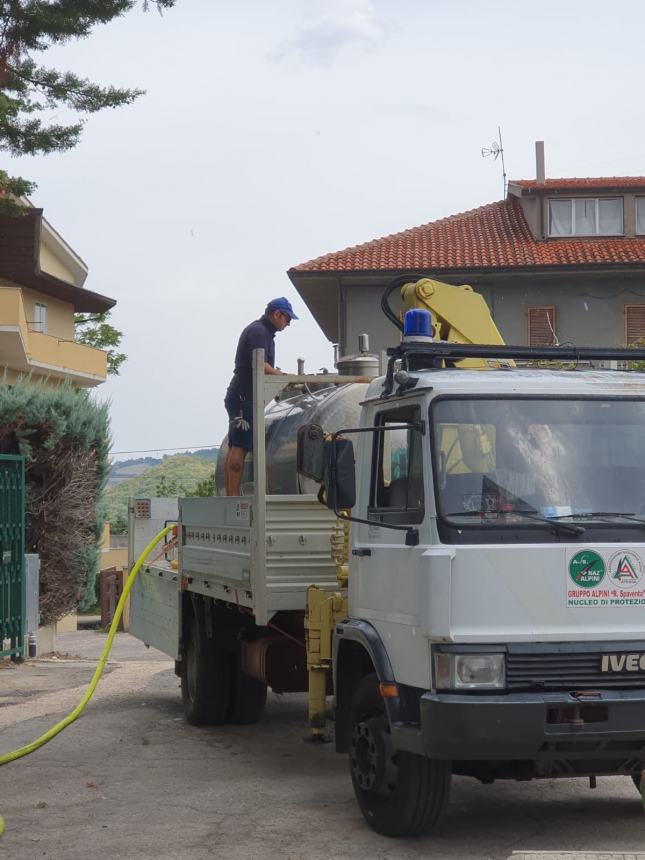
point(623, 663)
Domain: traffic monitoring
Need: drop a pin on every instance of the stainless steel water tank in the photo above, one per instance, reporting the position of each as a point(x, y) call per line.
point(334, 408)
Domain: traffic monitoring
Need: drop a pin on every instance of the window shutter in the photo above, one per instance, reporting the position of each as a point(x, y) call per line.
point(542, 326)
point(634, 323)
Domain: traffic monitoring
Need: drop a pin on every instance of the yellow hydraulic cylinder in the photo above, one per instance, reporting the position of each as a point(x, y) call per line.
point(323, 612)
point(340, 550)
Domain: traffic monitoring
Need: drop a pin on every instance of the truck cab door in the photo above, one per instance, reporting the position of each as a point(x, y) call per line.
point(386, 576)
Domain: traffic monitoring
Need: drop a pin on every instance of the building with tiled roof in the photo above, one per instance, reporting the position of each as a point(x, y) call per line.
point(558, 259)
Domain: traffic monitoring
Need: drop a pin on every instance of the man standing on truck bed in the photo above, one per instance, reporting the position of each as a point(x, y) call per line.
point(259, 334)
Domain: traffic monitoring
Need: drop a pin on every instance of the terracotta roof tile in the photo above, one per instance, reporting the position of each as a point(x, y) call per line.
point(581, 183)
point(495, 236)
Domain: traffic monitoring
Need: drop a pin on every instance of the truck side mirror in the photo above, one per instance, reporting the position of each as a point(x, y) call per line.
point(339, 478)
point(310, 456)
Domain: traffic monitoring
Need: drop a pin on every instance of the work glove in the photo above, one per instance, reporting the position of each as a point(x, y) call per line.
point(239, 423)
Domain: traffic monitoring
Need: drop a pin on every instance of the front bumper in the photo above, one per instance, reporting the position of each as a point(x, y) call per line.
point(525, 726)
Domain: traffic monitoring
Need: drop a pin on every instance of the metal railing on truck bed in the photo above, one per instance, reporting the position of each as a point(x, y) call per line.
point(224, 555)
point(227, 553)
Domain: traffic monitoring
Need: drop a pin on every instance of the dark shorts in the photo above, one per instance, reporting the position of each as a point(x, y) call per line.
point(237, 436)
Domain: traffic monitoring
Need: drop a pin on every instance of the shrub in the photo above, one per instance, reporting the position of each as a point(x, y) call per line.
point(64, 437)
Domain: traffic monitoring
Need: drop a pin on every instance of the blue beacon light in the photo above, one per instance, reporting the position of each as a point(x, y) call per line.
point(417, 326)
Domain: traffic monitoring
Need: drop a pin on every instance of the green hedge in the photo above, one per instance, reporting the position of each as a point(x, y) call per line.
point(64, 436)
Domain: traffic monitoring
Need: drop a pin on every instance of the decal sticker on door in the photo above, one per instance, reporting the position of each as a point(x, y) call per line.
point(597, 579)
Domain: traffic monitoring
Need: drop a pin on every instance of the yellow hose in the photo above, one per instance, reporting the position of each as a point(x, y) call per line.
point(78, 710)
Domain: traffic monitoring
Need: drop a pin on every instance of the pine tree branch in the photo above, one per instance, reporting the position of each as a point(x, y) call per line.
point(31, 137)
point(78, 93)
point(38, 24)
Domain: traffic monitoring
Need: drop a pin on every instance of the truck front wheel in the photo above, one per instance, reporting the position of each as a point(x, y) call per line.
point(399, 793)
point(205, 681)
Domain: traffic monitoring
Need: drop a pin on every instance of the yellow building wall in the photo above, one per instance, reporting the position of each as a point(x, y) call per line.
point(115, 557)
point(50, 263)
point(60, 315)
point(52, 356)
point(12, 308)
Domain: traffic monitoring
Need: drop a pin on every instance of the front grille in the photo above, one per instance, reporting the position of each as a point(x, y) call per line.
point(562, 670)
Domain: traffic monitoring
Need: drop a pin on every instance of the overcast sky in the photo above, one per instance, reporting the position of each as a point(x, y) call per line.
point(273, 132)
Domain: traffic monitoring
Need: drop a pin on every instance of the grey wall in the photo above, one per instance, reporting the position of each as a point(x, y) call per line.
point(589, 309)
point(361, 312)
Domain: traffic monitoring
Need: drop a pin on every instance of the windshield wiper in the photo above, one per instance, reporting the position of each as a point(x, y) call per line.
point(590, 515)
point(563, 528)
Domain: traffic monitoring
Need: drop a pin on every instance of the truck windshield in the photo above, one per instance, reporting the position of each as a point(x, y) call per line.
point(503, 462)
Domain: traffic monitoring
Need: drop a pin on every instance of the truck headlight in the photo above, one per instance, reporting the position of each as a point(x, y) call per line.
point(469, 671)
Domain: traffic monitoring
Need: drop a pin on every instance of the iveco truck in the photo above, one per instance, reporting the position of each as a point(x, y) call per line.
point(457, 556)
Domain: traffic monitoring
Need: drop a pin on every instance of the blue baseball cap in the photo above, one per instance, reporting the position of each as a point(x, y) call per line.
point(282, 304)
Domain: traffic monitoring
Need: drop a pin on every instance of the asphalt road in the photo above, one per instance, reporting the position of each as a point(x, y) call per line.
point(130, 779)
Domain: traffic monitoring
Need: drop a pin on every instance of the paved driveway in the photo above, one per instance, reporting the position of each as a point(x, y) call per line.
point(130, 779)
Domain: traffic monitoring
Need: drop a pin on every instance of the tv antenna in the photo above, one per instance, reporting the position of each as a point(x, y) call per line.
point(496, 149)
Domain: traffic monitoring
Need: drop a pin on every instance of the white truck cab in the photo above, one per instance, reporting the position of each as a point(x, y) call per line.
point(513, 631)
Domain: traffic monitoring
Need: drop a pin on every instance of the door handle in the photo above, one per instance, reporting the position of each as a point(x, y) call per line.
point(362, 551)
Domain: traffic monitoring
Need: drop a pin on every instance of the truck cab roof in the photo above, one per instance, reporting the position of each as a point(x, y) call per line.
point(518, 381)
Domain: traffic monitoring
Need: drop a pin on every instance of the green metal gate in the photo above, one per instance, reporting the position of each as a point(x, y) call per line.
point(12, 555)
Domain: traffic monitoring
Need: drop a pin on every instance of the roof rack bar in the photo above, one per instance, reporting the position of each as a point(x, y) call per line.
point(456, 351)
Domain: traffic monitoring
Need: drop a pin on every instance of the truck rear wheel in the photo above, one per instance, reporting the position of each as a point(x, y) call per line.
point(248, 698)
point(399, 793)
point(205, 680)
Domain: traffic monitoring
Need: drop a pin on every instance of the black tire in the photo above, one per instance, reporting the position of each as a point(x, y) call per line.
point(248, 698)
point(205, 681)
point(399, 793)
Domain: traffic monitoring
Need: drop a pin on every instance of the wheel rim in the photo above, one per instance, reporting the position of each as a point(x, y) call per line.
point(372, 759)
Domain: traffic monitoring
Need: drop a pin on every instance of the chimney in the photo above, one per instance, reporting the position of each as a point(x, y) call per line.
point(539, 161)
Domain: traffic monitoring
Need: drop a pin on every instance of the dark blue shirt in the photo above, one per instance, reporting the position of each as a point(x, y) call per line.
point(259, 334)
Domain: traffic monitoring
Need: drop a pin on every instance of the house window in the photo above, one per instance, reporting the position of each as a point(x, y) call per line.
point(397, 494)
point(640, 215)
point(586, 216)
point(541, 323)
point(40, 318)
point(634, 323)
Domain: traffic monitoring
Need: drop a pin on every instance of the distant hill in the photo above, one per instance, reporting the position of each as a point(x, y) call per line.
point(122, 470)
point(178, 475)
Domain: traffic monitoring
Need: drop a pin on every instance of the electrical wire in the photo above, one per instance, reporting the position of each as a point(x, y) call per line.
point(154, 450)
